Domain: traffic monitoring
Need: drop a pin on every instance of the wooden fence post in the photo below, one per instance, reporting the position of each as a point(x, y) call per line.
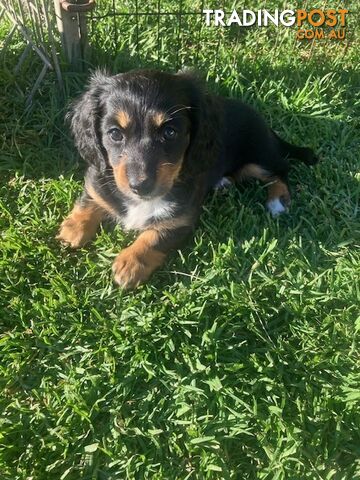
point(71, 23)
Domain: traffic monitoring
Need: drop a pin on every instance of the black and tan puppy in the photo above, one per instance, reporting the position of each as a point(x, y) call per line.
point(155, 144)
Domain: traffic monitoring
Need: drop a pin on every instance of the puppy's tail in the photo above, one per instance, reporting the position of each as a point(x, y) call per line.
point(304, 154)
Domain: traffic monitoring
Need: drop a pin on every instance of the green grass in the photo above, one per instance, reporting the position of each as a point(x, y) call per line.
point(240, 358)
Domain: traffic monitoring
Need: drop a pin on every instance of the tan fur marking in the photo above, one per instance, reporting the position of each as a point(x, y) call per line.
point(173, 223)
point(279, 189)
point(123, 119)
point(252, 170)
point(159, 118)
point(80, 226)
point(121, 179)
point(136, 263)
point(98, 200)
point(276, 187)
point(167, 174)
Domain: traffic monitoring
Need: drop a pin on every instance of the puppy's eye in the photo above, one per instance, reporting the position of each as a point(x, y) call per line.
point(169, 133)
point(115, 134)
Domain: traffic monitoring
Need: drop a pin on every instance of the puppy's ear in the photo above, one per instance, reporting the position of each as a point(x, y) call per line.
point(206, 124)
point(85, 117)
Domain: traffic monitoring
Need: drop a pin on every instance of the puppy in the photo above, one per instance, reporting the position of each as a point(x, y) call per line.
point(155, 144)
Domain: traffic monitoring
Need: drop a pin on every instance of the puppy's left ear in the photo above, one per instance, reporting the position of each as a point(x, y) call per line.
point(206, 123)
point(85, 116)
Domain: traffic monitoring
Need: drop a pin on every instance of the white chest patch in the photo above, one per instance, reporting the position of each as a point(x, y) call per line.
point(138, 214)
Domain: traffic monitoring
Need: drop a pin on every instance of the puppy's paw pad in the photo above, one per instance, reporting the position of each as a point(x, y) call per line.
point(276, 207)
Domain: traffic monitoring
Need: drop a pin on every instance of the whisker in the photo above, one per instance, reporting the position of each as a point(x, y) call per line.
point(167, 163)
point(174, 106)
point(180, 109)
point(170, 116)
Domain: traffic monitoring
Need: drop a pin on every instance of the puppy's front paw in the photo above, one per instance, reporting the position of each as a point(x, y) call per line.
point(130, 268)
point(79, 227)
point(73, 234)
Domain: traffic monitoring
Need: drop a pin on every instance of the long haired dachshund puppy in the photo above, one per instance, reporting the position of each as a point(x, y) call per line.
point(155, 144)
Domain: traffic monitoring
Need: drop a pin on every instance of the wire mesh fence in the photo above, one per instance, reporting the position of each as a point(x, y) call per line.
point(173, 33)
point(32, 21)
point(166, 34)
point(170, 34)
point(158, 33)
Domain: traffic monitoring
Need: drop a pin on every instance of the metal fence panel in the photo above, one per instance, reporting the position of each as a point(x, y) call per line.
point(33, 20)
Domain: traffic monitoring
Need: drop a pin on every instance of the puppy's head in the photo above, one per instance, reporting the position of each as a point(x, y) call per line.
point(141, 125)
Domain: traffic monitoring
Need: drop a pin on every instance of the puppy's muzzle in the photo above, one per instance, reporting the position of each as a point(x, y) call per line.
point(141, 186)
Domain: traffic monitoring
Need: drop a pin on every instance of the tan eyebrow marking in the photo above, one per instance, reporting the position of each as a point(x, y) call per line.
point(159, 118)
point(123, 119)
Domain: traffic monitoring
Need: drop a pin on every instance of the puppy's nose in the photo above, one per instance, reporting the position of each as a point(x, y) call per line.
point(141, 187)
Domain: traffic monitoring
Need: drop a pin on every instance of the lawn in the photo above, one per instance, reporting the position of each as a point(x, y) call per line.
point(240, 358)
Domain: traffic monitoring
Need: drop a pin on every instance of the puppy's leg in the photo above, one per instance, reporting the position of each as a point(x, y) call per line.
point(278, 197)
point(80, 226)
point(278, 191)
point(136, 263)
